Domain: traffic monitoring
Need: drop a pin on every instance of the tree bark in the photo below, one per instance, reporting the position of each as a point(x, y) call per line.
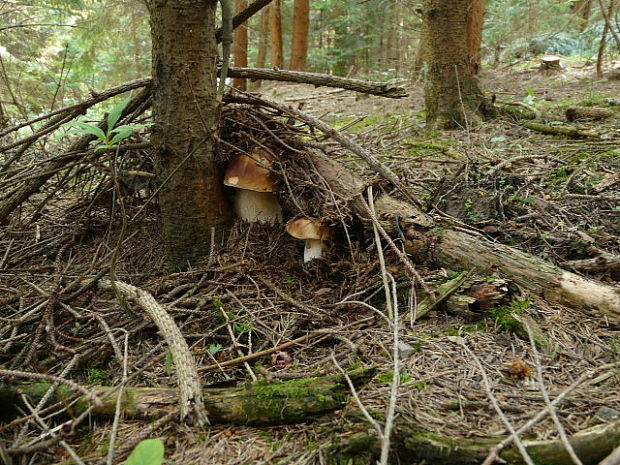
point(185, 114)
point(260, 403)
point(301, 29)
point(263, 38)
point(241, 45)
point(277, 47)
point(452, 96)
point(475, 23)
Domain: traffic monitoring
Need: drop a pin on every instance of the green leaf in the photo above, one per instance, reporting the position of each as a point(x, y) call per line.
point(120, 136)
point(104, 146)
point(85, 128)
point(133, 127)
point(215, 348)
point(148, 452)
point(116, 112)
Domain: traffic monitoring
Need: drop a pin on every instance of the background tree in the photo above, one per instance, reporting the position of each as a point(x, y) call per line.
point(241, 45)
point(301, 27)
point(583, 9)
point(277, 46)
point(452, 95)
point(475, 22)
point(185, 115)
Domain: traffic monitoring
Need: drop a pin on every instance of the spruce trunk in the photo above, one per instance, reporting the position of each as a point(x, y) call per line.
point(241, 45)
point(301, 26)
point(185, 112)
point(452, 95)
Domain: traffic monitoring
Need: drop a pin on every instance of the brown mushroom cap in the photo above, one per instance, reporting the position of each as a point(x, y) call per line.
point(245, 173)
point(307, 228)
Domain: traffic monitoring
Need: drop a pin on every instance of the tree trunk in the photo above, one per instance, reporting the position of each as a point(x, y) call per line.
point(277, 47)
point(193, 206)
point(137, 52)
point(241, 45)
point(340, 45)
point(452, 96)
point(263, 38)
point(301, 29)
point(583, 9)
point(475, 22)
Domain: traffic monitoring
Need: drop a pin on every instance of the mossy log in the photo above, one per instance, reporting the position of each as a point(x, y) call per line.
point(588, 113)
point(568, 131)
point(439, 242)
point(411, 446)
point(260, 403)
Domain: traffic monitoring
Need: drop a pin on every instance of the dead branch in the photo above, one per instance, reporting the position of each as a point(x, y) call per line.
point(316, 79)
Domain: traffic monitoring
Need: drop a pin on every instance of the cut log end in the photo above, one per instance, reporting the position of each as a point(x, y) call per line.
point(590, 294)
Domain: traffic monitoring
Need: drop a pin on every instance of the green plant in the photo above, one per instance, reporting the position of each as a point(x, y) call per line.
point(114, 135)
point(504, 315)
point(215, 348)
point(147, 452)
point(98, 376)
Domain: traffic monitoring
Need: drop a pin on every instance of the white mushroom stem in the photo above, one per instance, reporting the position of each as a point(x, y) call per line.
point(313, 249)
point(258, 207)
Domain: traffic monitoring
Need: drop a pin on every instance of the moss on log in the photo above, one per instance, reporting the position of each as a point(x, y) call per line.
point(568, 131)
point(260, 403)
point(411, 446)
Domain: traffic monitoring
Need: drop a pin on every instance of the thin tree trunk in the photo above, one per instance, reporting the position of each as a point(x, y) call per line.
point(263, 40)
point(603, 42)
point(137, 55)
point(193, 206)
point(301, 29)
point(583, 9)
point(277, 46)
point(475, 22)
point(452, 95)
point(241, 45)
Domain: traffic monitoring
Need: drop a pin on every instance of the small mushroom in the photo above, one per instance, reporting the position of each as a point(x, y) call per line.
point(255, 200)
point(314, 233)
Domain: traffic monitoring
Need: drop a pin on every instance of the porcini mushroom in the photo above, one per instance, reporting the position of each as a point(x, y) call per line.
point(314, 233)
point(255, 200)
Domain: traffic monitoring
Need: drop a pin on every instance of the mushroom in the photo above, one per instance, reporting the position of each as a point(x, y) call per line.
point(314, 233)
point(255, 200)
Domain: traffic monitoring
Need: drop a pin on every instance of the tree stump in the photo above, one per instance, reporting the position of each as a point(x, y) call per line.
point(550, 64)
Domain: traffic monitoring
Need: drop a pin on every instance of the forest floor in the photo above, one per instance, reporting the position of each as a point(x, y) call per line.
point(554, 197)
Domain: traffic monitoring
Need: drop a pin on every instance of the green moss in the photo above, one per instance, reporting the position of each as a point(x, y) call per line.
point(97, 376)
point(504, 315)
point(298, 398)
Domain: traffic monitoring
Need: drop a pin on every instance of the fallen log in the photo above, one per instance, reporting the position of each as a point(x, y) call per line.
point(588, 113)
point(260, 403)
point(568, 131)
point(412, 445)
point(441, 243)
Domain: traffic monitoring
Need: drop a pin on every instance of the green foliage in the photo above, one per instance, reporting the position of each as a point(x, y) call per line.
point(504, 315)
point(114, 136)
point(215, 348)
point(147, 452)
point(98, 376)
